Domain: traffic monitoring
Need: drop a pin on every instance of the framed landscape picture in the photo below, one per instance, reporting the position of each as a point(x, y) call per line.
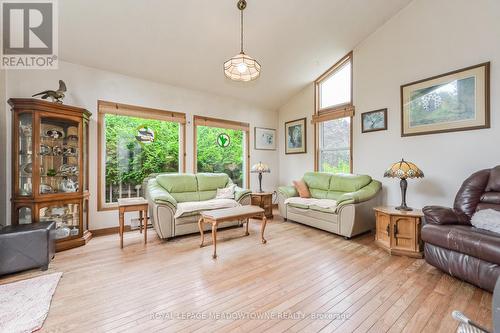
point(264, 138)
point(455, 101)
point(295, 136)
point(374, 121)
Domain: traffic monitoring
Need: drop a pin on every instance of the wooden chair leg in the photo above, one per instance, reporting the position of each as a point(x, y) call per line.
point(214, 239)
point(202, 234)
point(140, 221)
point(145, 224)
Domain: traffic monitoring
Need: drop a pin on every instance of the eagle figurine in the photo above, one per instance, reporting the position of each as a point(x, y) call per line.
point(56, 96)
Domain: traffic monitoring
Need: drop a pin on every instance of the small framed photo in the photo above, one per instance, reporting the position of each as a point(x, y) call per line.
point(264, 138)
point(450, 102)
point(374, 121)
point(296, 136)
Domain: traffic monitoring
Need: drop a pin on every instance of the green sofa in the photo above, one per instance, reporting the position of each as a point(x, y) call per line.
point(166, 193)
point(355, 197)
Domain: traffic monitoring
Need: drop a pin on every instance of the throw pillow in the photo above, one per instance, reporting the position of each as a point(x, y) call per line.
point(488, 219)
point(302, 188)
point(226, 193)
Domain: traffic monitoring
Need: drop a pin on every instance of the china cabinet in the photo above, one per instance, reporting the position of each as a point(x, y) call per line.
point(50, 180)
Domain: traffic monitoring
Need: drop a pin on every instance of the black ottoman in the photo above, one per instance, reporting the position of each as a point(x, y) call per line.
point(26, 246)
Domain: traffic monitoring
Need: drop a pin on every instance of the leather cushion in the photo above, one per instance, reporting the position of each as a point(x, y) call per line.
point(471, 191)
point(491, 198)
point(317, 180)
point(211, 181)
point(475, 242)
point(349, 182)
point(494, 181)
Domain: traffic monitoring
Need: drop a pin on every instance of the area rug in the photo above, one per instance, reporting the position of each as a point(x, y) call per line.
point(24, 305)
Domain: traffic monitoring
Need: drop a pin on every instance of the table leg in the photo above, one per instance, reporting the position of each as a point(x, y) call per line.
point(202, 235)
point(214, 239)
point(145, 224)
point(140, 221)
point(122, 222)
point(263, 228)
point(247, 233)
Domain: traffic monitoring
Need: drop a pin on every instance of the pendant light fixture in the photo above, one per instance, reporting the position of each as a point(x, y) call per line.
point(242, 67)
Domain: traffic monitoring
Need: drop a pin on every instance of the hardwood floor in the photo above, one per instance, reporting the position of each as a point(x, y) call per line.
point(348, 286)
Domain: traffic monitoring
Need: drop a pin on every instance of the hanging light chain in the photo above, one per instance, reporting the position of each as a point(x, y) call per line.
point(241, 10)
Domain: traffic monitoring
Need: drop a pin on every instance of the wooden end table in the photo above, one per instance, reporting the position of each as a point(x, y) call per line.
point(398, 232)
point(133, 205)
point(265, 201)
point(216, 216)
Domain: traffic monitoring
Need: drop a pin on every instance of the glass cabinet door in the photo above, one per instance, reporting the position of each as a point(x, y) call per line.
point(25, 151)
point(85, 148)
point(59, 156)
point(66, 216)
point(24, 215)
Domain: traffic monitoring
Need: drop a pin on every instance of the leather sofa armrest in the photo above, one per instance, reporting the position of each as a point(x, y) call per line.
point(361, 195)
point(444, 215)
point(288, 191)
point(159, 195)
point(240, 193)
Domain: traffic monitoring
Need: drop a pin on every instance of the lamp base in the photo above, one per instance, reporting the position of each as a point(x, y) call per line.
point(404, 208)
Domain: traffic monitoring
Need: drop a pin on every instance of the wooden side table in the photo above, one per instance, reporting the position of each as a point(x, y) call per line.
point(133, 205)
point(398, 231)
point(265, 201)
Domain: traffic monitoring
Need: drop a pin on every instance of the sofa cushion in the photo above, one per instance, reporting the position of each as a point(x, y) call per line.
point(494, 180)
point(348, 182)
point(317, 180)
point(178, 183)
point(185, 208)
point(475, 242)
point(322, 205)
point(211, 181)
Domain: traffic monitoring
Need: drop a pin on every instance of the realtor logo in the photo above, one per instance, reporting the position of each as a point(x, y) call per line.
point(29, 34)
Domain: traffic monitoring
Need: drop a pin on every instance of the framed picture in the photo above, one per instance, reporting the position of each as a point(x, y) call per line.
point(264, 138)
point(374, 121)
point(455, 101)
point(296, 136)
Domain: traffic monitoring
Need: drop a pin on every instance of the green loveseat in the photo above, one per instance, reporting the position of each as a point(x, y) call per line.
point(168, 193)
point(355, 197)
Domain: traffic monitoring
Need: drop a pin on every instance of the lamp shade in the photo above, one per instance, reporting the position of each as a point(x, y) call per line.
point(260, 168)
point(404, 170)
point(242, 68)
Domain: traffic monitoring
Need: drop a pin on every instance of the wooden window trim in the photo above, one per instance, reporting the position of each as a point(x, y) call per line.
point(228, 124)
point(105, 107)
point(332, 112)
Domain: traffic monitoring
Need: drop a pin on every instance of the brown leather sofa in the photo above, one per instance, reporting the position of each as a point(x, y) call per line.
point(453, 244)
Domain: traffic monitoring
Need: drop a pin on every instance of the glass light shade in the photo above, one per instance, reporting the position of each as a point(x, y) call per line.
point(404, 170)
point(242, 68)
point(260, 168)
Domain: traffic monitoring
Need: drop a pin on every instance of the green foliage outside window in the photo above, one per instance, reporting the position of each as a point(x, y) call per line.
point(213, 158)
point(128, 161)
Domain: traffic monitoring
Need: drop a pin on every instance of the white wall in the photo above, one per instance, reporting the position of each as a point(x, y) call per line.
point(426, 38)
point(87, 85)
point(293, 166)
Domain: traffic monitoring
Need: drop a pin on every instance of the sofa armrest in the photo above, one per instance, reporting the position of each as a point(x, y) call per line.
point(444, 215)
point(159, 195)
point(241, 193)
point(288, 191)
point(366, 193)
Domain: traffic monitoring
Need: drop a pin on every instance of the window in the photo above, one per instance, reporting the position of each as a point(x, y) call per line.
point(334, 146)
point(335, 89)
point(222, 146)
point(333, 118)
point(134, 143)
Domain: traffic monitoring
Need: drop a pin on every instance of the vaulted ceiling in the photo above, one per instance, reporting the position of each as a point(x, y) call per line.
point(185, 42)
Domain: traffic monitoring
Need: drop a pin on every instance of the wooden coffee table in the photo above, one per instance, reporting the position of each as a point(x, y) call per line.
point(217, 216)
